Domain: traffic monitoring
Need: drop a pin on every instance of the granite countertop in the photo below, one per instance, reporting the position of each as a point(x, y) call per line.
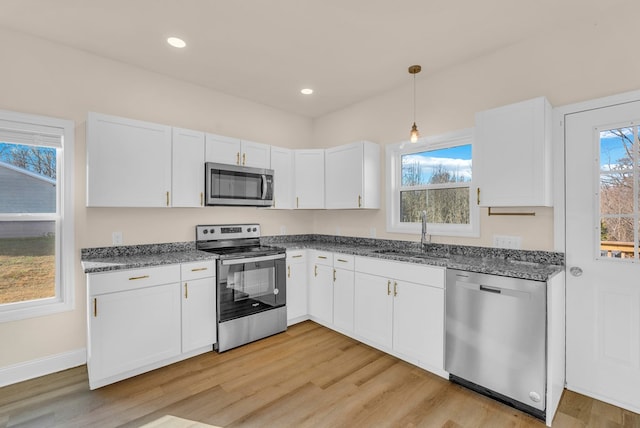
point(533, 265)
point(106, 259)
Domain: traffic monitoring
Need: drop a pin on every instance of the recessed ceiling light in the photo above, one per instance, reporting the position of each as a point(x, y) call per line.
point(176, 42)
point(306, 91)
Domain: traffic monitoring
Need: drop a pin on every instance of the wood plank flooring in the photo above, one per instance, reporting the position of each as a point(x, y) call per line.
point(308, 376)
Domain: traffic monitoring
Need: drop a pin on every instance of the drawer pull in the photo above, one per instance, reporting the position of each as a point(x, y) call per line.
point(322, 257)
point(198, 269)
point(343, 261)
point(138, 277)
point(296, 256)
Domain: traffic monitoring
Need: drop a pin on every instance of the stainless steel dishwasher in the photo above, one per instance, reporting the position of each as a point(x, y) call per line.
point(495, 339)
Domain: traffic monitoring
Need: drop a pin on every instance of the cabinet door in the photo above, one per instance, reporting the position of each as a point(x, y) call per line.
point(128, 162)
point(418, 322)
point(188, 168)
point(373, 315)
point(344, 176)
point(296, 285)
point(343, 296)
point(512, 155)
point(321, 293)
point(256, 155)
point(282, 165)
point(131, 329)
point(198, 313)
point(222, 149)
point(309, 178)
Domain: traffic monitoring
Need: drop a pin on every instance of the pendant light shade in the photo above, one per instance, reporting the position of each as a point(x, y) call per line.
point(414, 135)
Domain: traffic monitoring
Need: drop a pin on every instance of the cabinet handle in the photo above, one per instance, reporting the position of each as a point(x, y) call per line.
point(244, 158)
point(315, 270)
point(389, 287)
point(341, 260)
point(186, 290)
point(95, 307)
point(334, 275)
point(478, 196)
point(289, 271)
point(322, 257)
point(297, 202)
point(395, 289)
point(133, 278)
point(167, 198)
point(198, 269)
point(296, 256)
point(238, 158)
point(201, 199)
point(359, 201)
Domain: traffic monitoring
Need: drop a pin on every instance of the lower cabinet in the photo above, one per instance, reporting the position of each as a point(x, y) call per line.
point(400, 307)
point(142, 319)
point(321, 287)
point(343, 292)
point(296, 286)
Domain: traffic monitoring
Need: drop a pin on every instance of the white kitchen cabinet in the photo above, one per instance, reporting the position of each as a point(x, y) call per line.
point(343, 292)
point(187, 181)
point(296, 286)
point(352, 176)
point(400, 307)
point(321, 287)
point(234, 151)
point(128, 162)
point(512, 163)
point(198, 303)
point(309, 178)
point(133, 321)
point(282, 166)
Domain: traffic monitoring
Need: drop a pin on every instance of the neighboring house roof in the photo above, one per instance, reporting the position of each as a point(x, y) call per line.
point(23, 191)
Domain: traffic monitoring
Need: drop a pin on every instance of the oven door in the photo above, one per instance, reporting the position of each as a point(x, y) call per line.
point(250, 285)
point(238, 185)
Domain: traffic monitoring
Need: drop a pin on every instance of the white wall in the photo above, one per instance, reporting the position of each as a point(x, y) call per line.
point(577, 62)
point(42, 78)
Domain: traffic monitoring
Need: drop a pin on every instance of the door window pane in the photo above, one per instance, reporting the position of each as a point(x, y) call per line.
point(618, 155)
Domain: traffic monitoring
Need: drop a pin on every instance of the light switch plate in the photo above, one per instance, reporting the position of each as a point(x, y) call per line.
point(509, 242)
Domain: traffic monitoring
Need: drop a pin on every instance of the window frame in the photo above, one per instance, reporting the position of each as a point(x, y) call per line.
point(393, 178)
point(64, 300)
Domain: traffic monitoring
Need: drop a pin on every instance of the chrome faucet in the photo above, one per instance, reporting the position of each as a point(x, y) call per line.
point(425, 238)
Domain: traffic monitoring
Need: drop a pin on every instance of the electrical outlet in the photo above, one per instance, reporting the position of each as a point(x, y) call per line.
point(509, 242)
point(338, 231)
point(372, 232)
point(116, 238)
point(283, 230)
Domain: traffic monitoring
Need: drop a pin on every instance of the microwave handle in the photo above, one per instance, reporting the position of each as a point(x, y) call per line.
point(264, 186)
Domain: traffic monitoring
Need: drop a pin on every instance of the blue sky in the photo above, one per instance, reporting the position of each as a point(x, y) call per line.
point(455, 159)
point(612, 148)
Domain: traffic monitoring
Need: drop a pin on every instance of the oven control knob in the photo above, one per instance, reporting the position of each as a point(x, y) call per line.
point(205, 231)
point(255, 229)
point(276, 291)
point(248, 229)
point(212, 230)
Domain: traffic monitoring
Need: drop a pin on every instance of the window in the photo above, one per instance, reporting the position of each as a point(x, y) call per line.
point(433, 176)
point(36, 216)
point(619, 193)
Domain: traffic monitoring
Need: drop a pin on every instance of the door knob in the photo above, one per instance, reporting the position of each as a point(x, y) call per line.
point(575, 271)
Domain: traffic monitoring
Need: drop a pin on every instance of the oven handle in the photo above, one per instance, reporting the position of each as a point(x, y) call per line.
point(253, 259)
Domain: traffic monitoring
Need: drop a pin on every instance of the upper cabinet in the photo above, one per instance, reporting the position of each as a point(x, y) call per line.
point(282, 165)
point(352, 176)
point(309, 178)
point(128, 162)
point(233, 151)
point(512, 155)
point(188, 168)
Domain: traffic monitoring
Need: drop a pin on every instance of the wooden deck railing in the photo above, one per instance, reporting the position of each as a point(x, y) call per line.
point(625, 248)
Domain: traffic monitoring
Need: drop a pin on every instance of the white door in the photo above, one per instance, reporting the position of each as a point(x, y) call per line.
point(343, 176)
point(603, 291)
point(256, 155)
point(187, 172)
point(309, 178)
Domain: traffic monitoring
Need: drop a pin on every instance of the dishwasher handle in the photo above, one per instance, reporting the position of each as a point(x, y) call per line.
point(490, 289)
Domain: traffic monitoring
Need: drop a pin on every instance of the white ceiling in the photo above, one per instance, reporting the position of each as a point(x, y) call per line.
point(267, 50)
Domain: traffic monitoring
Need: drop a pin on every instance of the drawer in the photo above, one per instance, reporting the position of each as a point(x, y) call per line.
point(294, 256)
point(131, 279)
point(196, 270)
point(410, 272)
point(343, 261)
point(324, 258)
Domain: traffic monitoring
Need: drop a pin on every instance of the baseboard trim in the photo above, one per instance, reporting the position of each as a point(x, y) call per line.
point(43, 366)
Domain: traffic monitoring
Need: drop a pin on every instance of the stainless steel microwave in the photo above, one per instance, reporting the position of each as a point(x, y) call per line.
point(238, 185)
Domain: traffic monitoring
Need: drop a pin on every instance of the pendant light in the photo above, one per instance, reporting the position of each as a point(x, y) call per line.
point(414, 69)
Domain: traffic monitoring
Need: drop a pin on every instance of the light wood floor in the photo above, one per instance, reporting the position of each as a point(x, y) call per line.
point(308, 376)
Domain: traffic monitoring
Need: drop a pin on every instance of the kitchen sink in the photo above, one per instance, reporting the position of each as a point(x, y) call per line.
point(409, 253)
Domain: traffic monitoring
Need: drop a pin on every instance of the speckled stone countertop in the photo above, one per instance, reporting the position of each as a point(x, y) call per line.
point(534, 265)
point(104, 259)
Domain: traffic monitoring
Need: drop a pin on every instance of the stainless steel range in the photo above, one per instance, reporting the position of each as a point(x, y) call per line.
point(251, 283)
